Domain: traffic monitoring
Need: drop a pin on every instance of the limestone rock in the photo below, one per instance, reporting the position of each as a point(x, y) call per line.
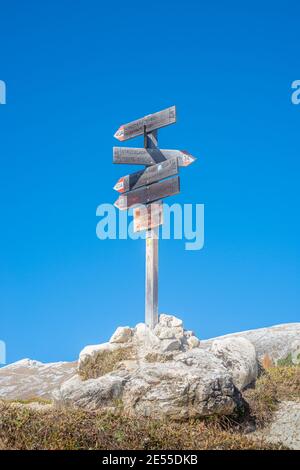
point(194, 384)
point(281, 343)
point(169, 321)
point(193, 342)
point(161, 344)
point(122, 334)
point(140, 331)
point(90, 394)
point(168, 345)
point(159, 356)
point(203, 361)
point(145, 337)
point(166, 332)
point(239, 358)
point(284, 427)
point(178, 392)
point(92, 350)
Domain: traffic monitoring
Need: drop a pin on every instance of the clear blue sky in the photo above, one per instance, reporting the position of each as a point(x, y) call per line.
point(76, 71)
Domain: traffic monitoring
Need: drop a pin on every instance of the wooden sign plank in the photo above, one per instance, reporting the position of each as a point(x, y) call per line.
point(150, 156)
point(148, 217)
point(146, 124)
point(147, 194)
point(145, 177)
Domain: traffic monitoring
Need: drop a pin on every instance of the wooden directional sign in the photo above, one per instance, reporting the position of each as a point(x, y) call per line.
point(148, 217)
point(150, 156)
point(145, 189)
point(146, 124)
point(147, 194)
point(150, 175)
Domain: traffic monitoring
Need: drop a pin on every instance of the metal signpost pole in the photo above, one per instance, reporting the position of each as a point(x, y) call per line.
point(151, 285)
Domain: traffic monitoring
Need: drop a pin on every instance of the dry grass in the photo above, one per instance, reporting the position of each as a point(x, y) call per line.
point(23, 428)
point(275, 384)
point(32, 400)
point(104, 362)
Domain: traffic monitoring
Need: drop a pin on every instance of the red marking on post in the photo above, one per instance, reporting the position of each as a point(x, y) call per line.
point(120, 134)
point(187, 159)
point(119, 186)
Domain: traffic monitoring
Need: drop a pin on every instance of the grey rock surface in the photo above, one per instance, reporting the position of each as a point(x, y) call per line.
point(194, 385)
point(167, 372)
point(177, 391)
point(239, 357)
point(167, 337)
point(122, 334)
point(279, 342)
point(285, 426)
point(92, 394)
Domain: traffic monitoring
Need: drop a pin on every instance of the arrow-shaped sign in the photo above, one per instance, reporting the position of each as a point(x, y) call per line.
point(148, 217)
point(149, 175)
point(147, 194)
point(149, 156)
point(146, 124)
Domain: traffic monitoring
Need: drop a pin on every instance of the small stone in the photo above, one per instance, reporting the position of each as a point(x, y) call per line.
point(140, 330)
point(193, 342)
point(169, 321)
point(164, 332)
point(123, 334)
point(188, 333)
point(145, 336)
point(168, 345)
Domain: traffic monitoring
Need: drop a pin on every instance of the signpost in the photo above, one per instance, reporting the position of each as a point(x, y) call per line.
point(148, 217)
point(146, 194)
point(150, 156)
point(147, 124)
point(147, 187)
point(150, 175)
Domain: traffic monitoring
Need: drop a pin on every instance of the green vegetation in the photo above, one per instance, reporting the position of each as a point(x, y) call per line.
point(288, 360)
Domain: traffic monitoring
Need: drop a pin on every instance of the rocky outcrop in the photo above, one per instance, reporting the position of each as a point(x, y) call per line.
point(169, 372)
point(93, 394)
point(277, 344)
point(157, 373)
point(238, 356)
point(27, 379)
point(122, 334)
point(165, 372)
point(137, 345)
point(194, 384)
point(178, 391)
